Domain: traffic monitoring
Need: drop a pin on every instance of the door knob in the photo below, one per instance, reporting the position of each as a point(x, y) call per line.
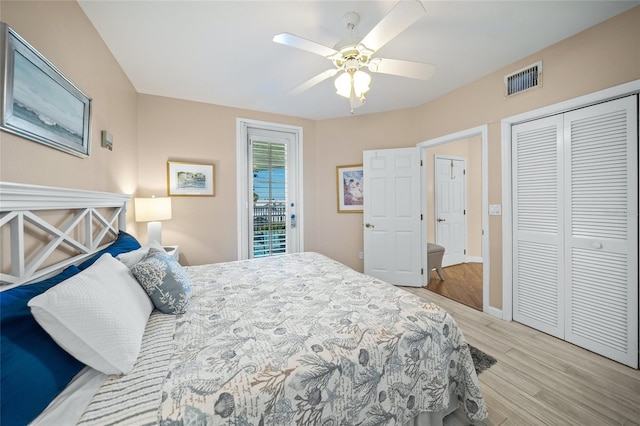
point(368, 225)
point(441, 220)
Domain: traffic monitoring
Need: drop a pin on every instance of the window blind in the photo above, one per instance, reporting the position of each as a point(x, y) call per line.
point(269, 177)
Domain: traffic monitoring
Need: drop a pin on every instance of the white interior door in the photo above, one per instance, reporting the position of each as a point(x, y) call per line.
point(392, 216)
point(575, 227)
point(450, 196)
point(601, 236)
point(538, 297)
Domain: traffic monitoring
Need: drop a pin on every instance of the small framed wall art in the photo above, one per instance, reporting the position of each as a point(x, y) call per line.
point(350, 188)
point(38, 102)
point(190, 179)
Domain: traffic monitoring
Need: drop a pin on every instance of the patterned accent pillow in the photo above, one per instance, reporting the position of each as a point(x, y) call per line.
point(165, 281)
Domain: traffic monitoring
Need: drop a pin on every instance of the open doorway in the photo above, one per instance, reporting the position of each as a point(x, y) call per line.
point(465, 279)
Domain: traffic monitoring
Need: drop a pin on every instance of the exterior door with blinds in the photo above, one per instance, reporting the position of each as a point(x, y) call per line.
point(575, 236)
point(271, 224)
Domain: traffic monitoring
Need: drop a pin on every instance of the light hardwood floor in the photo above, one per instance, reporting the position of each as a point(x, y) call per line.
point(463, 283)
point(541, 380)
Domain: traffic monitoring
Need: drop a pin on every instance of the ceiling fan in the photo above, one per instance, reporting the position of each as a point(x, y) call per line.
point(350, 55)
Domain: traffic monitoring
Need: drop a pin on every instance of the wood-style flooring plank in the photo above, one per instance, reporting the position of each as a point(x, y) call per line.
point(462, 282)
point(542, 380)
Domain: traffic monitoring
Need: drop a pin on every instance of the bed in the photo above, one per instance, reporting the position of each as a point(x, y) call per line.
point(296, 339)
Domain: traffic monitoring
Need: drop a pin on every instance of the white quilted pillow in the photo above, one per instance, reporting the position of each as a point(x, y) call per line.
point(98, 315)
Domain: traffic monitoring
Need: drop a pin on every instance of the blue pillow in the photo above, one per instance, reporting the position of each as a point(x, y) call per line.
point(164, 280)
point(34, 368)
point(123, 244)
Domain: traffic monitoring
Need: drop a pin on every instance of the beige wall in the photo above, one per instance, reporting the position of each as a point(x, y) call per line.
point(63, 34)
point(601, 57)
point(341, 142)
point(150, 130)
point(177, 130)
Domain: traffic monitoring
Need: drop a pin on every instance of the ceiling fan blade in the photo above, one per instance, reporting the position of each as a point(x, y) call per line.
point(304, 44)
point(315, 80)
point(410, 69)
point(401, 17)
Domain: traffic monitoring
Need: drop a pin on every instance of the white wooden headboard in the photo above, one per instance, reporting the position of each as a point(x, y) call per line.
point(92, 220)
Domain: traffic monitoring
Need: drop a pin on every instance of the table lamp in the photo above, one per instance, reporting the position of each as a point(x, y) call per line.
point(153, 210)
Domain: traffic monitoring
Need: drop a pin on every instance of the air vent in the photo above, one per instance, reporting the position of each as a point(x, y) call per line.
point(523, 79)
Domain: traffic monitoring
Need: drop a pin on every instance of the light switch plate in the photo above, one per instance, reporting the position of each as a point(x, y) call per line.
point(495, 209)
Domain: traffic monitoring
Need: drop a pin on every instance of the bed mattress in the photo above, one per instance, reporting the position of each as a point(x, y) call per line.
point(297, 339)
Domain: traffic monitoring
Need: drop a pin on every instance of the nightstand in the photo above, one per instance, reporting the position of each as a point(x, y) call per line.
point(173, 251)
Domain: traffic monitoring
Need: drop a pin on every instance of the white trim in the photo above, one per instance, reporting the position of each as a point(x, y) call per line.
point(579, 102)
point(498, 313)
point(242, 203)
point(473, 259)
point(483, 132)
point(19, 196)
point(507, 219)
point(507, 223)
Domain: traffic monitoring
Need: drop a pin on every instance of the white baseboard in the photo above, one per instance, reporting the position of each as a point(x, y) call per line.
point(473, 259)
point(493, 311)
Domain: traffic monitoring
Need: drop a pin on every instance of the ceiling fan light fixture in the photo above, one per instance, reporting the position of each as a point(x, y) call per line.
point(351, 55)
point(353, 84)
point(361, 81)
point(343, 85)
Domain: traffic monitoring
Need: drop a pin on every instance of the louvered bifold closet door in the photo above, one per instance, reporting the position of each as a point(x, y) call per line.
point(601, 234)
point(538, 297)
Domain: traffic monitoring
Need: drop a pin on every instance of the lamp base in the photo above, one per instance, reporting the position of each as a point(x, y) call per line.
point(154, 232)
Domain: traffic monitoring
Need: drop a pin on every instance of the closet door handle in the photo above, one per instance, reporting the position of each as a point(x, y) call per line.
point(442, 220)
point(368, 225)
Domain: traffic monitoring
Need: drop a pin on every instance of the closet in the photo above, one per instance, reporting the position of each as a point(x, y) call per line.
point(575, 227)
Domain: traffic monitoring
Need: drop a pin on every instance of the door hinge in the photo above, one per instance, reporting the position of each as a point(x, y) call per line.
point(465, 251)
point(464, 172)
point(421, 216)
point(420, 163)
point(421, 271)
point(464, 211)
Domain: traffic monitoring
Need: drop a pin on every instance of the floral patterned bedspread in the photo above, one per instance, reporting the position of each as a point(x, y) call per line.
point(301, 339)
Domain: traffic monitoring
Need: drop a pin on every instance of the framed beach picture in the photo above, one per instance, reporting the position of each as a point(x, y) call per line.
point(38, 102)
point(350, 188)
point(190, 179)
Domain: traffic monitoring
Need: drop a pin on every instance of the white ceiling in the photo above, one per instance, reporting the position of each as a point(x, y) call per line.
point(221, 52)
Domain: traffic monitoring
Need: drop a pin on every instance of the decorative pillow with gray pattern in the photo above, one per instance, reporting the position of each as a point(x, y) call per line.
point(165, 281)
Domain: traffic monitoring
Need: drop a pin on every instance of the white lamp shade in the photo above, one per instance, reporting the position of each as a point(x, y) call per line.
point(361, 82)
point(343, 85)
point(152, 209)
point(353, 86)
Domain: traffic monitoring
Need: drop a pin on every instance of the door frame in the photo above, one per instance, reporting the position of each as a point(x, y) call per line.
point(483, 132)
point(242, 195)
point(507, 212)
